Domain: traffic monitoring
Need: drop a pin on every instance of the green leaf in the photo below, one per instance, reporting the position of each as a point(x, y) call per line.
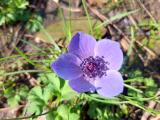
point(48, 93)
point(124, 109)
point(34, 108)
point(13, 101)
point(73, 116)
point(37, 91)
point(50, 78)
point(54, 79)
point(10, 17)
point(67, 93)
point(63, 112)
point(36, 101)
point(2, 19)
point(23, 91)
point(21, 3)
point(34, 24)
point(8, 92)
point(58, 118)
point(51, 115)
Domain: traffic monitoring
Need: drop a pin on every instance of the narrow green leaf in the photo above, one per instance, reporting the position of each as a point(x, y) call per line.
point(116, 17)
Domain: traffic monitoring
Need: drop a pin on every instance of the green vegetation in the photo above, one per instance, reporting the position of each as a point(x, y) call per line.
point(29, 80)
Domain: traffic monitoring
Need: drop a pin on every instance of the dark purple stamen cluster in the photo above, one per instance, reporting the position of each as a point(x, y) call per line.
point(94, 67)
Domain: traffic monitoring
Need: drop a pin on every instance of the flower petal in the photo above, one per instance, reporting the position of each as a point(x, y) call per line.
point(82, 45)
point(111, 51)
point(110, 85)
point(67, 66)
point(81, 85)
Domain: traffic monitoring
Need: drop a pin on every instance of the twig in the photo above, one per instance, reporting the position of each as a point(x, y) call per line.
point(103, 18)
point(150, 15)
point(27, 117)
point(152, 105)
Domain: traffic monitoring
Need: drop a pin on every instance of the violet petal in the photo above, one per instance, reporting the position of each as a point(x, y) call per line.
point(81, 85)
point(110, 85)
point(67, 66)
point(112, 53)
point(82, 45)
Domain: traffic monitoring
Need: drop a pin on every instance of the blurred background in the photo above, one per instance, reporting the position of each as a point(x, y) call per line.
point(33, 33)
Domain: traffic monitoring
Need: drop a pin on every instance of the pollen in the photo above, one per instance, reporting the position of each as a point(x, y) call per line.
point(93, 67)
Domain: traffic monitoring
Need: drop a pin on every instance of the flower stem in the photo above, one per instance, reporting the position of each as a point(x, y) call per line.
point(132, 88)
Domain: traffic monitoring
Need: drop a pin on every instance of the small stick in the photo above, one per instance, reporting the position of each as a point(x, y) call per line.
point(103, 18)
point(151, 105)
point(150, 15)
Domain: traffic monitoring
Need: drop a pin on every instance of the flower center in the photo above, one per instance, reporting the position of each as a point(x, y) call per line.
point(94, 67)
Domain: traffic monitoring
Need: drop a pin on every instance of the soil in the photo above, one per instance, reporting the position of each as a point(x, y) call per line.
point(148, 10)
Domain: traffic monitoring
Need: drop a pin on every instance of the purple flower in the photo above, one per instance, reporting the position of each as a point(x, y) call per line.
point(91, 66)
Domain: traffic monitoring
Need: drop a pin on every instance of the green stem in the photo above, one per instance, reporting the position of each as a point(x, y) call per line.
point(105, 101)
point(50, 39)
point(24, 55)
point(139, 106)
point(88, 17)
point(132, 88)
point(140, 98)
point(22, 71)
